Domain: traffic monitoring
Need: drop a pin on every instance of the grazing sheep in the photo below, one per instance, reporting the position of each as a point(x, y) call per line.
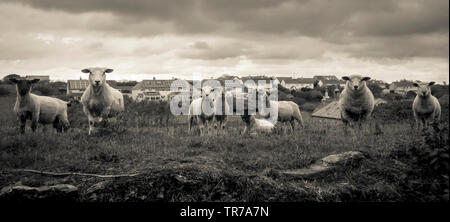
point(426, 107)
point(101, 102)
point(203, 116)
point(255, 126)
point(39, 109)
point(356, 101)
point(289, 111)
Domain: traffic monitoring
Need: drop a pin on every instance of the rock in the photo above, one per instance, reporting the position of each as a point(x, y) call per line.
point(325, 165)
point(93, 193)
point(96, 187)
point(343, 158)
point(25, 193)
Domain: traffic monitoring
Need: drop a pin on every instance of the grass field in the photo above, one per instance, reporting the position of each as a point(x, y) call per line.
point(175, 166)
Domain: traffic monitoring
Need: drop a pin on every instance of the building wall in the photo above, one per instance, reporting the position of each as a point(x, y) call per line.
point(298, 85)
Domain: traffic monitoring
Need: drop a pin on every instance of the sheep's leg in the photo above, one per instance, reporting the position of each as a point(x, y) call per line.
point(191, 119)
point(91, 119)
point(292, 125)
point(222, 125)
point(34, 121)
point(416, 118)
point(105, 114)
point(207, 125)
point(57, 125)
point(23, 121)
point(65, 123)
point(346, 123)
point(201, 127)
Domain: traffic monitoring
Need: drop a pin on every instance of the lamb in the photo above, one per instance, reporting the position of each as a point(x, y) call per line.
point(255, 126)
point(289, 111)
point(356, 101)
point(101, 102)
point(426, 107)
point(39, 109)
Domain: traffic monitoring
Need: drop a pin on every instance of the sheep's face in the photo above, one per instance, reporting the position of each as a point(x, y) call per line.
point(24, 86)
point(207, 92)
point(208, 95)
point(97, 76)
point(423, 90)
point(356, 83)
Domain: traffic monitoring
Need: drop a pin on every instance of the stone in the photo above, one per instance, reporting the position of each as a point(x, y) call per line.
point(25, 193)
point(96, 187)
point(325, 165)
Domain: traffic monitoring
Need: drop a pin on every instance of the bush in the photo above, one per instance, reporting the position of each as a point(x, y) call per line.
point(309, 107)
point(430, 158)
point(394, 111)
point(439, 90)
point(45, 89)
point(299, 101)
point(4, 91)
point(411, 95)
point(316, 96)
point(392, 97)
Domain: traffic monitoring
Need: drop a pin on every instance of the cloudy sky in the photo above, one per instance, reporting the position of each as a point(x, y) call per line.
point(139, 39)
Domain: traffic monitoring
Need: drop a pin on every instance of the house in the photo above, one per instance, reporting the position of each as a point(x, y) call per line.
point(155, 90)
point(125, 90)
point(329, 81)
point(40, 77)
point(258, 80)
point(401, 87)
point(298, 83)
point(76, 88)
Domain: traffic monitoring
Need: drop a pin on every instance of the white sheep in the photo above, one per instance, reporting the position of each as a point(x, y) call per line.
point(356, 101)
point(426, 107)
point(256, 126)
point(39, 109)
point(101, 102)
point(202, 116)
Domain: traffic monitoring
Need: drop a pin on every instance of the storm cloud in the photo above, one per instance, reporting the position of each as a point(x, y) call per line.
point(217, 36)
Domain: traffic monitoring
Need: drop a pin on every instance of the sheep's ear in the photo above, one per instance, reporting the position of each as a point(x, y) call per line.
point(431, 83)
point(85, 71)
point(345, 78)
point(109, 70)
point(365, 79)
point(15, 81)
point(415, 84)
point(34, 81)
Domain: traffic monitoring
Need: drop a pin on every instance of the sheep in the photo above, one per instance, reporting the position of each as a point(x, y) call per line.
point(289, 111)
point(101, 102)
point(356, 101)
point(255, 126)
point(426, 107)
point(39, 109)
point(221, 105)
point(203, 116)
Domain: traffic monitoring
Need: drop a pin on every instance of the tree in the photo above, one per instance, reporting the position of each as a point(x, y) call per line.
point(10, 76)
point(411, 94)
point(375, 88)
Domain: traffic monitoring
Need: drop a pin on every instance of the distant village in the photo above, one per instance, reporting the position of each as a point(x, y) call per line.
point(159, 89)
